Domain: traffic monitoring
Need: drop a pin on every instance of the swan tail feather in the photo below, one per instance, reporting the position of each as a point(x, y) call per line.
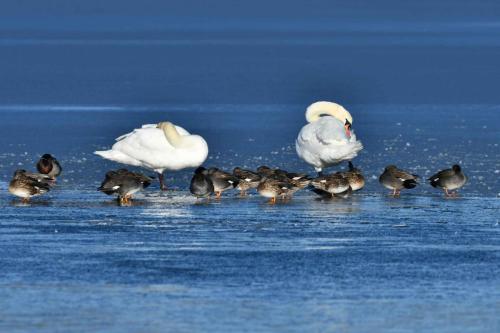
point(117, 156)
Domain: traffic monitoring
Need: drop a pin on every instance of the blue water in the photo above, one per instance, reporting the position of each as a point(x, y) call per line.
point(160, 52)
point(75, 261)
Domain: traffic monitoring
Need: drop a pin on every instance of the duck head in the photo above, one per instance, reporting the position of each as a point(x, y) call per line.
point(19, 173)
point(391, 168)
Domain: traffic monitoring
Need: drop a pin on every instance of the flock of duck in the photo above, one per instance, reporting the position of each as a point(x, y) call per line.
point(327, 140)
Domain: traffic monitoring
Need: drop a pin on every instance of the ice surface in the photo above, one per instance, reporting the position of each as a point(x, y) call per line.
point(75, 261)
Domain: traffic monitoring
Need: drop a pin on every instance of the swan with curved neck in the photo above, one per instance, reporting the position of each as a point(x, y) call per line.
point(173, 137)
point(318, 109)
point(159, 147)
point(323, 108)
point(327, 141)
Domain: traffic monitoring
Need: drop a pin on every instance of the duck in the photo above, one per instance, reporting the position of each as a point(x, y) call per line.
point(124, 183)
point(265, 172)
point(354, 177)
point(331, 185)
point(298, 183)
point(328, 138)
point(222, 181)
point(25, 187)
point(396, 179)
point(48, 165)
point(247, 180)
point(201, 185)
point(159, 147)
point(449, 180)
point(273, 188)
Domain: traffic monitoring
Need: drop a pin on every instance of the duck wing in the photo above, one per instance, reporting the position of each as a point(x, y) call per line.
point(248, 176)
point(435, 180)
point(403, 175)
point(38, 177)
point(442, 174)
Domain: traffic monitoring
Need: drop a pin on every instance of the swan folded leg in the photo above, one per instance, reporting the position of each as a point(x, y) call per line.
point(163, 187)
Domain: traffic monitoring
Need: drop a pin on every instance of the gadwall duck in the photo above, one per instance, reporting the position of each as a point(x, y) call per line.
point(449, 180)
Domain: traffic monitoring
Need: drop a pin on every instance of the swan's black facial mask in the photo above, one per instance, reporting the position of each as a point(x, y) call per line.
point(347, 127)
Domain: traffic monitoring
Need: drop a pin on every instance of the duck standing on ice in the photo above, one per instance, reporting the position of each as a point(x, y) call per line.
point(124, 183)
point(449, 180)
point(160, 147)
point(26, 184)
point(328, 139)
point(396, 179)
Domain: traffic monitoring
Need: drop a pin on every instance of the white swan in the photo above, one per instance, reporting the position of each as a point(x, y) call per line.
point(327, 139)
point(158, 147)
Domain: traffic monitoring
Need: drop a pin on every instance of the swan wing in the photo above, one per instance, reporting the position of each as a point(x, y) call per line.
point(324, 142)
point(179, 129)
point(329, 130)
point(148, 147)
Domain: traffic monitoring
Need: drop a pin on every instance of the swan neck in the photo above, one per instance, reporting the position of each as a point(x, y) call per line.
point(173, 137)
point(318, 109)
point(314, 114)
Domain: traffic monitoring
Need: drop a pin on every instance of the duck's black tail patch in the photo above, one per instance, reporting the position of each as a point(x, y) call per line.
point(410, 183)
point(434, 182)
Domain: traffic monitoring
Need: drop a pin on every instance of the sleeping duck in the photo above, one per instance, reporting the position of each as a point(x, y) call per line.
point(48, 165)
point(246, 180)
point(201, 185)
point(222, 181)
point(449, 180)
point(396, 179)
point(124, 184)
point(273, 188)
point(25, 186)
point(333, 185)
point(354, 177)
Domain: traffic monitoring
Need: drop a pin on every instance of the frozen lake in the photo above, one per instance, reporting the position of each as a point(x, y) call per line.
point(74, 261)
